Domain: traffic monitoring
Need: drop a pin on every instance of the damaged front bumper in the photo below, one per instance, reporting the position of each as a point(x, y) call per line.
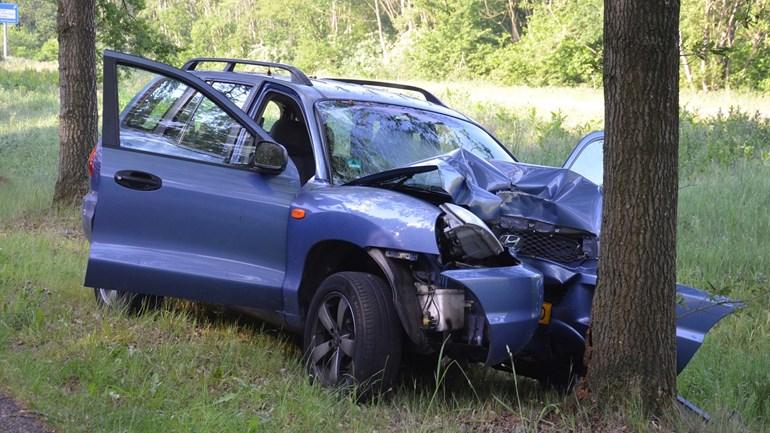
point(511, 299)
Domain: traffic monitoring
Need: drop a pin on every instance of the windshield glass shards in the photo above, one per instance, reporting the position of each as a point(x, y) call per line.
point(365, 138)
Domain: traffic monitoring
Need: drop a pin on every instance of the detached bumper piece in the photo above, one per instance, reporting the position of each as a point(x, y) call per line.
point(511, 299)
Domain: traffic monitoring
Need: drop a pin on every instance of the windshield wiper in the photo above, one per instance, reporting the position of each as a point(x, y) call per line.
point(392, 175)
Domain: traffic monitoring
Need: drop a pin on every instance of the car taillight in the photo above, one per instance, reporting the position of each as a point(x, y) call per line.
point(91, 157)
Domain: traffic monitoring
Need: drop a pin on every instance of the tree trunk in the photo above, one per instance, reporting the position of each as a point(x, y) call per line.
point(78, 128)
point(515, 34)
point(685, 64)
point(383, 45)
point(633, 347)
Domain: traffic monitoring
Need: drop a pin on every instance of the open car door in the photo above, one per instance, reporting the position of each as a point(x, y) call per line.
point(587, 157)
point(180, 211)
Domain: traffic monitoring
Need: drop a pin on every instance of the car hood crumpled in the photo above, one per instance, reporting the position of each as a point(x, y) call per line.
point(493, 189)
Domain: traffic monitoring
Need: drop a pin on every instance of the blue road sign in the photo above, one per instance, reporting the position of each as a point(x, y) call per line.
point(9, 13)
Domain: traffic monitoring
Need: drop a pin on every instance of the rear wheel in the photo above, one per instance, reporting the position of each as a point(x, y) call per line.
point(352, 334)
point(121, 300)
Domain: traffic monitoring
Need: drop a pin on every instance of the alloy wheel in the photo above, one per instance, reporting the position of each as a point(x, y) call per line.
point(333, 341)
point(109, 297)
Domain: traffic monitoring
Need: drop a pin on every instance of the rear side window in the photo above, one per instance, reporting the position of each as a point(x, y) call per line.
point(171, 118)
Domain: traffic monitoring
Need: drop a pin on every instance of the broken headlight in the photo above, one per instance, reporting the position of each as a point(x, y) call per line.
point(467, 235)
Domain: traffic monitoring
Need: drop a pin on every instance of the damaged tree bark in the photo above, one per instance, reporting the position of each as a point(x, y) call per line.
point(633, 331)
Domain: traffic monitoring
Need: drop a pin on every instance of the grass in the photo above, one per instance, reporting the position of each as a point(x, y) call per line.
point(189, 367)
point(586, 104)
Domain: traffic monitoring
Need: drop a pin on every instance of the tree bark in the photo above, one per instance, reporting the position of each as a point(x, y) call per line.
point(78, 128)
point(632, 348)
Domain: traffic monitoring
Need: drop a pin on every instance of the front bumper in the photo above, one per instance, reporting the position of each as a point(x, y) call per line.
point(511, 298)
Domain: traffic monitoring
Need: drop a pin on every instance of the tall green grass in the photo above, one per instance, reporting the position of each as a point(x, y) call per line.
point(194, 368)
point(29, 106)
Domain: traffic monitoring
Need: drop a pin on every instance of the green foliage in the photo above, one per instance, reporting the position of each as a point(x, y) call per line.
point(22, 42)
point(562, 46)
point(455, 43)
point(726, 139)
point(121, 27)
point(725, 43)
point(37, 24)
point(48, 51)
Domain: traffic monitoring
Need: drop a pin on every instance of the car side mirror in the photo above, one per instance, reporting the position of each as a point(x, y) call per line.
point(268, 158)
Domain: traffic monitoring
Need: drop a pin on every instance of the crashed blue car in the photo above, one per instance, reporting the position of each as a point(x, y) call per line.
point(367, 216)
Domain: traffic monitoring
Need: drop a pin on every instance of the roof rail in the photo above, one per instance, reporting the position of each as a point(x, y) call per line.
point(430, 97)
point(297, 76)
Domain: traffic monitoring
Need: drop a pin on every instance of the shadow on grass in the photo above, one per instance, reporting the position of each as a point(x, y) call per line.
point(425, 375)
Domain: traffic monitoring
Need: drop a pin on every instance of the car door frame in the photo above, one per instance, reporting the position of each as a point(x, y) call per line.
point(582, 144)
point(110, 98)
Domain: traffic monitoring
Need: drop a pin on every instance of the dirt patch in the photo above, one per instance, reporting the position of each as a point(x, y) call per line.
point(15, 419)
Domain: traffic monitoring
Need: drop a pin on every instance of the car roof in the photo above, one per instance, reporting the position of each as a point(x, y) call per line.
point(329, 88)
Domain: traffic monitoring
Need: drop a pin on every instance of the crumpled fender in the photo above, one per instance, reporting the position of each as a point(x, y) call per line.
point(363, 216)
point(511, 298)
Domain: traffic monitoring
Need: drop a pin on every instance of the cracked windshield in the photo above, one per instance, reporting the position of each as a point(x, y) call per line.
point(366, 138)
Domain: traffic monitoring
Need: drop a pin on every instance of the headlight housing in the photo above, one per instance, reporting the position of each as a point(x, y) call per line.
point(468, 236)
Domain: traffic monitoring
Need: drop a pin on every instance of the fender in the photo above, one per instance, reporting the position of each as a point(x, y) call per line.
point(363, 216)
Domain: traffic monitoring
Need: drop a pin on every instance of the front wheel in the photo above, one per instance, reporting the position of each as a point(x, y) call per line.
point(125, 301)
point(352, 333)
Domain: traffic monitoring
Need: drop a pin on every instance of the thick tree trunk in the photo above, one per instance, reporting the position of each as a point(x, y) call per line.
point(78, 128)
point(633, 346)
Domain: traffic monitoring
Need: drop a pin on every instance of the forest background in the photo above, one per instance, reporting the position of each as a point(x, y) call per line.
point(724, 43)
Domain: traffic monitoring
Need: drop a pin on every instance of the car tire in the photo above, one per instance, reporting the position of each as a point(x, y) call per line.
point(352, 334)
point(133, 303)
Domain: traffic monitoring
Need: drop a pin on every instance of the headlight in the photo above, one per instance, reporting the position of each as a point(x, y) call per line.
point(468, 235)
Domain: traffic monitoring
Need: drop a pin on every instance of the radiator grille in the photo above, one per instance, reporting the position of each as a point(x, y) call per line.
point(552, 246)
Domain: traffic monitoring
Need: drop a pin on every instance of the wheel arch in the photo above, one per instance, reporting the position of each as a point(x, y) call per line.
point(331, 256)
point(328, 257)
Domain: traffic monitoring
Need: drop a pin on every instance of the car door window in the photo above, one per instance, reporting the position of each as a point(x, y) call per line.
point(172, 119)
point(282, 117)
point(589, 163)
point(270, 114)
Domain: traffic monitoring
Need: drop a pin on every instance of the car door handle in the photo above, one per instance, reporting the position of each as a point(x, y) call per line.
point(138, 180)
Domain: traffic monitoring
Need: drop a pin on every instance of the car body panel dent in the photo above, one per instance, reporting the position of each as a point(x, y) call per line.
point(362, 216)
point(511, 298)
point(492, 189)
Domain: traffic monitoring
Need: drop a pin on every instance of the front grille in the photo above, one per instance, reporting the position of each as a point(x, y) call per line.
point(565, 248)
